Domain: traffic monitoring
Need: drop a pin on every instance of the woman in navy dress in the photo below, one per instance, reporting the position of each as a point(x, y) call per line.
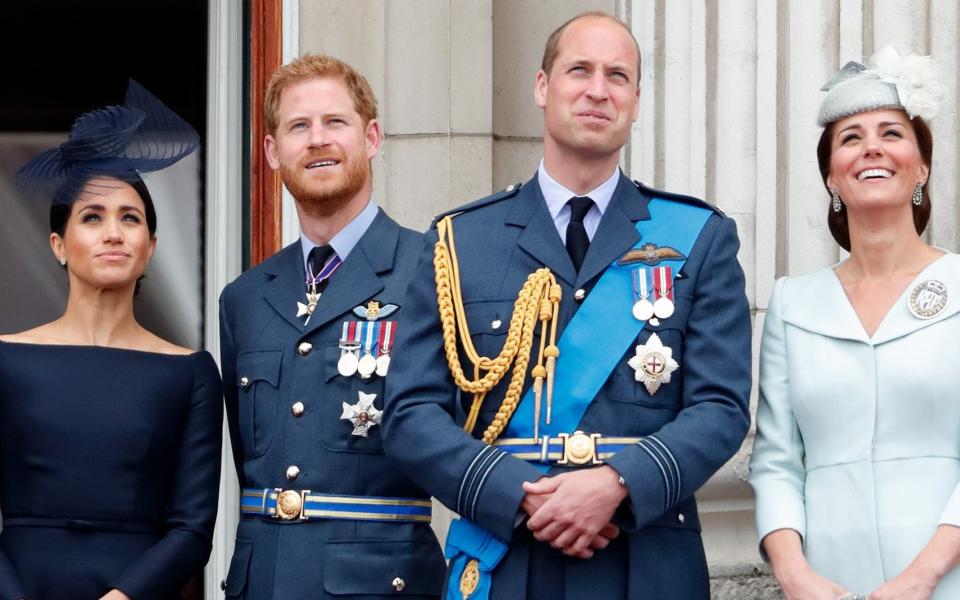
point(109, 435)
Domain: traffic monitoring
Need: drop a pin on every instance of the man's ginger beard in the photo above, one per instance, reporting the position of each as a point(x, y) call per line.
point(325, 196)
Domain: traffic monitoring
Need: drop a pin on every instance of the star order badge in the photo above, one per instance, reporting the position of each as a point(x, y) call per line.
point(653, 363)
point(309, 307)
point(363, 415)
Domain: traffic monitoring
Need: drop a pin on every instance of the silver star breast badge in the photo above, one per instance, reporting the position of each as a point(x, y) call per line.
point(363, 415)
point(653, 363)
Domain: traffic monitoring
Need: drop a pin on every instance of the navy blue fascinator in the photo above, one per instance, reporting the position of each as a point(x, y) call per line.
point(121, 142)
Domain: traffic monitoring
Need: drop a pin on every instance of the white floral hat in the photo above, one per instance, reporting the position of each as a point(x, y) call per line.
point(902, 82)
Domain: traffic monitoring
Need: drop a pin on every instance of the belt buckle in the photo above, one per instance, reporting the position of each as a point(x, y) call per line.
point(579, 448)
point(290, 504)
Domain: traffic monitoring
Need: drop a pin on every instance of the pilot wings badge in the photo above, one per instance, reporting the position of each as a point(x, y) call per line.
point(650, 254)
point(374, 312)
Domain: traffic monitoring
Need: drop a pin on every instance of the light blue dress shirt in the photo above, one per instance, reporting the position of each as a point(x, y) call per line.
point(557, 197)
point(346, 238)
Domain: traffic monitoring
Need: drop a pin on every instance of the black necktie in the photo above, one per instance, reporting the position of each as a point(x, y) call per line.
point(315, 261)
point(577, 240)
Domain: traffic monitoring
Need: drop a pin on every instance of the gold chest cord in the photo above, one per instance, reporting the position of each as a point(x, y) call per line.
point(538, 300)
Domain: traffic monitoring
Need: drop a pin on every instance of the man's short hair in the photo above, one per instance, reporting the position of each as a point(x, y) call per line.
point(313, 66)
point(552, 48)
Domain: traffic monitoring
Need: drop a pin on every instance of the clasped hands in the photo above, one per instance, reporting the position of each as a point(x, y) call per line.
point(573, 511)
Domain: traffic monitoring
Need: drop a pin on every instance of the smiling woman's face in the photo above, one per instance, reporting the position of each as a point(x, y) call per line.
point(106, 242)
point(875, 160)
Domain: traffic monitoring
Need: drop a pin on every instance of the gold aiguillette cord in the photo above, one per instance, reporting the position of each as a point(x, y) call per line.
point(538, 300)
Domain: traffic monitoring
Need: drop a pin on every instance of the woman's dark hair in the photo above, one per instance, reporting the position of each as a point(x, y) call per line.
point(837, 221)
point(60, 214)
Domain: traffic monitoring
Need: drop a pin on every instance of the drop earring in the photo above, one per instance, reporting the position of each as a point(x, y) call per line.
point(835, 203)
point(918, 194)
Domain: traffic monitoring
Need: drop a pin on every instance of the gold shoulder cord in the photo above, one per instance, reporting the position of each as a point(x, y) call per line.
point(539, 299)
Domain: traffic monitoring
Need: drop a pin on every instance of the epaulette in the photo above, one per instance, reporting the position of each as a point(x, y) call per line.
point(508, 192)
point(655, 193)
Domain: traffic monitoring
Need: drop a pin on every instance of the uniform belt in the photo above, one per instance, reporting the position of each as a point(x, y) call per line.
point(569, 449)
point(304, 505)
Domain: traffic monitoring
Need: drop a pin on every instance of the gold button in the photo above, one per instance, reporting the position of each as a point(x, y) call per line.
point(681, 518)
point(244, 381)
point(297, 409)
point(304, 348)
point(399, 584)
point(293, 471)
point(579, 295)
point(496, 324)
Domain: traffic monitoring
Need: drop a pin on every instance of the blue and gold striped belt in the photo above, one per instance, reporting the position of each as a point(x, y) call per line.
point(303, 505)
point(573, 449)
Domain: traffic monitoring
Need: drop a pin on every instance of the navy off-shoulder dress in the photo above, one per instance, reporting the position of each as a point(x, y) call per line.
point(109, 470)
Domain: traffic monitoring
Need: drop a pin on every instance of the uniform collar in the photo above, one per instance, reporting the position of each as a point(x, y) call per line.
point(556, 195)
point(345, 239)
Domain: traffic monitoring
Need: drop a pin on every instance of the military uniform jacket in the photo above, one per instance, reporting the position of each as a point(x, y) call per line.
point(690, 426)
point(271, 361)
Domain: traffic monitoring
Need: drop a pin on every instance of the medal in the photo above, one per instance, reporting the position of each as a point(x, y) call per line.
point(653, 363)
point(349, 344)
point(367, 366)
point(368, 362)
point(347, 365)
point(313, 295)
point(642, 307)
point(384, 344)
point(663, 291)
point(928, 299)
point(363, 415)
point(307, 309)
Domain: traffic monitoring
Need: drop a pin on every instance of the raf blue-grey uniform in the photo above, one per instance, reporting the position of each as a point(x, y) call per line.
point(284, 401)
point(689, 427)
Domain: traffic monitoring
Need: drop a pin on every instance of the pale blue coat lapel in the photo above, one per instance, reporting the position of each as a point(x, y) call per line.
point(820, 305)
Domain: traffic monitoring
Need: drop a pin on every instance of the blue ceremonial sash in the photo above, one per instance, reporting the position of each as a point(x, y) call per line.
point(584, 365)
point(582, 369)
point(468, 541)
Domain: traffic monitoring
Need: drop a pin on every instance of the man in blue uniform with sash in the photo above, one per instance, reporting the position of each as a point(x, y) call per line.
point(306, 342)
point(596, 336)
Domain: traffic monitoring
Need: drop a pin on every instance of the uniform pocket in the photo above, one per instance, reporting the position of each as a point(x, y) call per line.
point(624, 384)
point(237, 575)
point(336, 432)
point(489, 322)
point(389, 568)
point(258, 382)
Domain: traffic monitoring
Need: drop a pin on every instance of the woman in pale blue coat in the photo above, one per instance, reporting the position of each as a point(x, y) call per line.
point(856, 462)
